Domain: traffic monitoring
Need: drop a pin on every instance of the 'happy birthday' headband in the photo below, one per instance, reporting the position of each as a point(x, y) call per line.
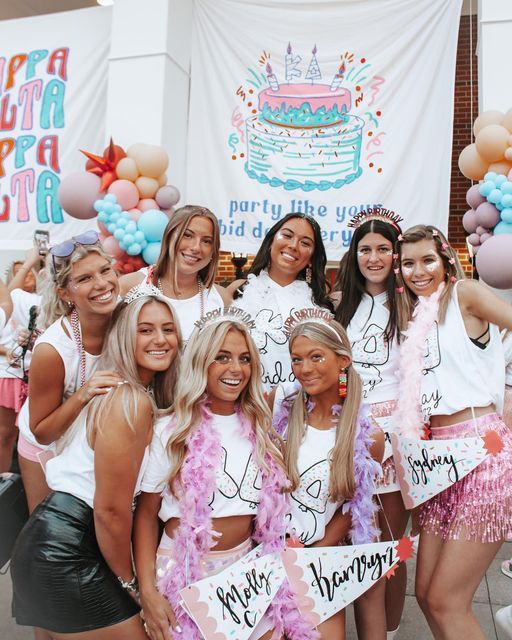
point(376, 213)
point(311, 314)
point(233, 314)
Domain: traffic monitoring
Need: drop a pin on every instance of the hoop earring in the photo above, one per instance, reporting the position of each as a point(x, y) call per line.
point(342, 383)
point(309, 274)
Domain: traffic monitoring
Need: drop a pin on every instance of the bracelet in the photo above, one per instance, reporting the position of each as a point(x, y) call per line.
point(132, 586)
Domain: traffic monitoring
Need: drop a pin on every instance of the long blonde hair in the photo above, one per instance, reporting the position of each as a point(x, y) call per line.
point(57, 274)
point(342, 480)
point(200, 353)
point(405, 299)
point(173, 234)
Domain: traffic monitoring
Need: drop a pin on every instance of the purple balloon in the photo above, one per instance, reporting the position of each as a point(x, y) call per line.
point(474, 250)
point(474, 239)
point(474, 197)
point(481, 230)
point(493, 261)
point(77, 193)
point(484, 237)
point(167, 196)
point(469, 221)
point(487, 215)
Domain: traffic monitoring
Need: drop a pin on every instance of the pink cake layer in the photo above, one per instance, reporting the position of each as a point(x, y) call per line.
point(295, 95)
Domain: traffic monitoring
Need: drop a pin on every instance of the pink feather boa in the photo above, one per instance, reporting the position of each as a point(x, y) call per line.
point(408, 416)
point(194, 537)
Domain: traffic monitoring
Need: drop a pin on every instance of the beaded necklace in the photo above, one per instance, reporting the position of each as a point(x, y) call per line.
point(77, 337)
point(200, 288)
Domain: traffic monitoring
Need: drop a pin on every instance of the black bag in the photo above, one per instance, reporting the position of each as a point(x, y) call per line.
point(13, 513)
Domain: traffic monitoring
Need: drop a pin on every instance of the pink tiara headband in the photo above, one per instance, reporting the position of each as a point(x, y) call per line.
point(376, 213)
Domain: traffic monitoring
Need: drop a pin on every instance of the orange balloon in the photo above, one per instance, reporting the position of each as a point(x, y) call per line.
point(502, 167)
point(471, 164)
point(507, 120)
point(162, 180)
point(147, 186)
point(492, 142)
point(126, 169)
point(484, 119)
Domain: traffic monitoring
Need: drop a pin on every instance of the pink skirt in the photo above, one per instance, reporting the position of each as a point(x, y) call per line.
point(387, 483)
point(479, 506)
point(13, 392)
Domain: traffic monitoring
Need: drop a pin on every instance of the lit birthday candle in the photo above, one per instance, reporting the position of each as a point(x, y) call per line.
point(291, 63)
point(271, 77)
point(338, 77)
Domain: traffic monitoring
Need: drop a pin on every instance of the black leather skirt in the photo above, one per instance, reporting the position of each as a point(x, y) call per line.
point(60, 580)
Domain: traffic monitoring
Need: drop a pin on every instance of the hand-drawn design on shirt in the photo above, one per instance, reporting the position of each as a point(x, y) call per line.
point(268, 326)
point(371, 351)
point(312, 495)
point(225, 483)
point(250, 486)
point(432, 353)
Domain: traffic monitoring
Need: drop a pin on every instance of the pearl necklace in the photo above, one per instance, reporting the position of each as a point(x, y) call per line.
point(77, 337)
point(200, 288)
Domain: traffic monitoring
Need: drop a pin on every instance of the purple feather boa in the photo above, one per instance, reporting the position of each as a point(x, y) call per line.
point(195, 536)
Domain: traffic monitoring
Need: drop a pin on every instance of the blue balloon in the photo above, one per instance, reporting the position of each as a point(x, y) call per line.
point(499, 180)
point(499, 206)
point(102, 217)
point(119, 234)
point(506, 201)
point(495, 196)
point(143, 243)
point(134, 249)
point(502, 228)
point(152, 251)
point(139, 237)
point(131, 227)
point(122, 222)
point(98, 205)
point(114, 217)
point(111, 227)
point(122, 245)
point(506, 215)
point(110, 197)
point(152, 224)
point(108, 207)
point(118, 208)
point(490, 175)
point(486, 188)
point(506, 187)
point(128, 239)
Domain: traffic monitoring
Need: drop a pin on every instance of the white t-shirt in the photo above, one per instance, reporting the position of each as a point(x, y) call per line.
point(238, 477)
point(22, 302)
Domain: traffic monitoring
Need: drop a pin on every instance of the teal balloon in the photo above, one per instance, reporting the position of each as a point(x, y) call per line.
point(495, 196)
point(499, 206)
point(131, 227)
point(139, 237)
point(114, 217)
point(490, 175)
point(119, 234)
point(499, 180)
point(506, 187)
point(102, 217)
point(506, 201)
point(152, 251)
point(502, 228)
point(118, 208)
point(128, 239)
point(152, 224)
point(110, 197)
point(122, 245)
point(112, 227)
point(98, 205)
point(108, 207)
point(121, 222)
point(486, 188)
point(134, 249)
point(143, 244)
point(506, 215)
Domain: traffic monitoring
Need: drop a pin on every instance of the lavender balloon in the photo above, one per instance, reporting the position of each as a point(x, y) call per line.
point(469, 221)
point(474, 197)
point(493, 261)
point(487, 215)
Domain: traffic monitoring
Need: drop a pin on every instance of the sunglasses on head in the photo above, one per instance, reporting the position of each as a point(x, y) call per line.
point(66, 248)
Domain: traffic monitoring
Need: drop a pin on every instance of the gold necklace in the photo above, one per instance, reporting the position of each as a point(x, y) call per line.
point(200, 290)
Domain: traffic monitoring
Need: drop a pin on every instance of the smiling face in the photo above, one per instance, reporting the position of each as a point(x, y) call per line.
point(229, 373)
point(316, 366)
point(375, 260)
point(92, 286)
point(157, 342)
point(195, 249)
point(291, 250)
point(422, 267)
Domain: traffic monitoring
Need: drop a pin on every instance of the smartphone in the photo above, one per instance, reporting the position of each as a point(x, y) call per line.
point(42, 241)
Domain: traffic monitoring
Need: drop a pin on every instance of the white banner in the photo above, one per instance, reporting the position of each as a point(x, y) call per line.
point(53, 86)
point(321, 108)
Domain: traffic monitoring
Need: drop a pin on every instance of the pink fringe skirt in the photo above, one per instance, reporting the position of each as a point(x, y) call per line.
point(479, 506)
point(13, 392)
point(387, 483)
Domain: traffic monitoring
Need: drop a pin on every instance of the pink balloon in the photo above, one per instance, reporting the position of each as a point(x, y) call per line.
point(487, 215)
point(484, 237)
point(111, 246)
point(474, 197)
point(474, 239)
point(480, 230)
point(469, 221)
point(146, 204)
point(493, 261)
point(126, 193)
point(475, 249)
point(167, 196)
point(135, 214)
point(103, 229)
point(77, 193)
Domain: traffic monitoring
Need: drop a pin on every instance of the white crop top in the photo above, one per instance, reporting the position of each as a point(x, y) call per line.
point(374, 359)
point(270, 304)
point(72, 470)
point(311, 509)
point(457, 373)
point(66, 348)
point(238, 477)
point(188, 310)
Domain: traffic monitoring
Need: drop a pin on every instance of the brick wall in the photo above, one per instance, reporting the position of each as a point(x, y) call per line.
point(462, 136)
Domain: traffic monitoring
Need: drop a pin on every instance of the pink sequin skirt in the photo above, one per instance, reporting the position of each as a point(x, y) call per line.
point(387, 483)
point(507, 407)
point(479, 506)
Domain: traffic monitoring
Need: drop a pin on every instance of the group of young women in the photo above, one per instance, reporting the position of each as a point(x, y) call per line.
point(261, 423)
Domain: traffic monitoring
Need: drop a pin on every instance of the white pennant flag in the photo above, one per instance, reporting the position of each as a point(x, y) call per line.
point(230, 604)
point(424, 468)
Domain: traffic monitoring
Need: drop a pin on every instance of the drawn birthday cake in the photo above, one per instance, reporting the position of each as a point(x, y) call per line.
point(303, 136)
